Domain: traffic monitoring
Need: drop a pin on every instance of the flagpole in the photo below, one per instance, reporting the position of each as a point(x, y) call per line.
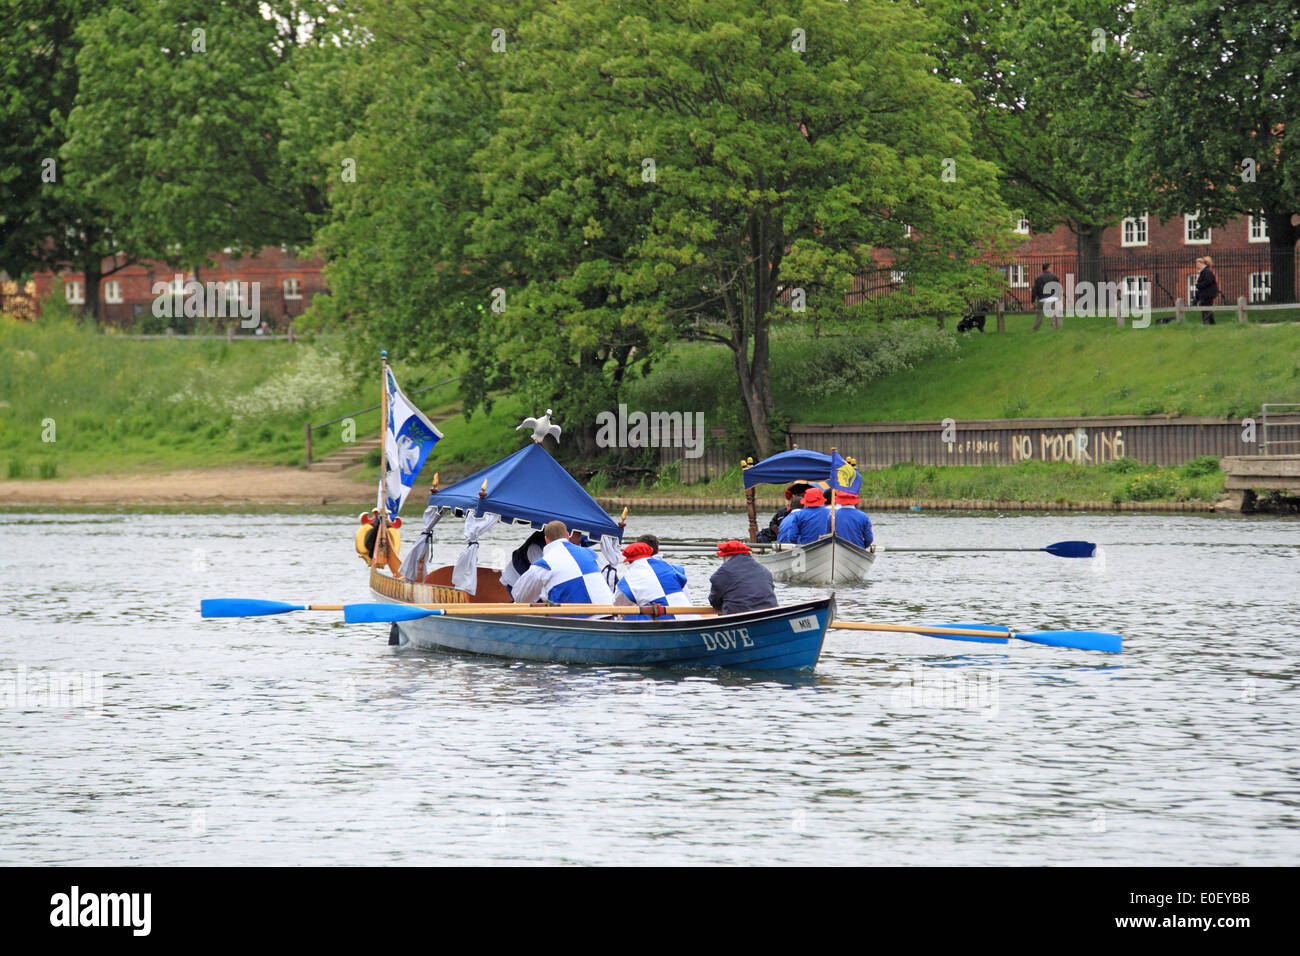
point(380, 556)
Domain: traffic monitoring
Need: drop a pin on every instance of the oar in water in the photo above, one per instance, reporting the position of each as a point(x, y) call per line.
point(993, 634)
point(390, 613)
point(1062, 549)
point(370, 613)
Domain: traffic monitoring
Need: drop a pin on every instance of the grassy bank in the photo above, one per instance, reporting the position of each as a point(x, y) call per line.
point(75, 402)
point(1122, 480)
point(1089, 368)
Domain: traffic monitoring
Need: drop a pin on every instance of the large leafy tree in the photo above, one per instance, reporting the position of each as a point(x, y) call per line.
point(624, 173)
point(696, 164)
point(415, 98)
point(1056, 102)
point(175, 130)
point(46, 219)
point(1221, 125)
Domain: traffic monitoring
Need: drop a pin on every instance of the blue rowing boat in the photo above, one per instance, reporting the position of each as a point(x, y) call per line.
point(784, 638)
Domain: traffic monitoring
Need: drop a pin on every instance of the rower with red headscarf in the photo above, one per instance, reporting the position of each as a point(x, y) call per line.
point(809, 523)
point(741, 584)
point(648, 579)
point(851, 524)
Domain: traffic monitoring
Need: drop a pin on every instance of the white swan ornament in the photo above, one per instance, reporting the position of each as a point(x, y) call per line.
point(541, 427)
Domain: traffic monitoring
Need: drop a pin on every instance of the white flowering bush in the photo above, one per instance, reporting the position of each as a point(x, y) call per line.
point(315, 380)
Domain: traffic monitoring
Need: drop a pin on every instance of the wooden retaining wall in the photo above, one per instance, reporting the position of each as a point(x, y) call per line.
point(767, 506)
point(1094, 440)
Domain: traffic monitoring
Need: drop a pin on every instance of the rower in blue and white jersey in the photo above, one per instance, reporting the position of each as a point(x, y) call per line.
point(564, 574)
point(648, 579)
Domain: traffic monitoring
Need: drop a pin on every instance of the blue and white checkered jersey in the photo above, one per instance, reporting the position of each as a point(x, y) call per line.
point(655, 581)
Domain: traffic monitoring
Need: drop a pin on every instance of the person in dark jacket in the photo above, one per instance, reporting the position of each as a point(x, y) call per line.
point(793, 502)
point(1040, 299)
point(741, 584)
point(1207, 287)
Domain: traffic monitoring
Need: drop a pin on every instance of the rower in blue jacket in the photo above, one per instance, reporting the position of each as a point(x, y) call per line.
point(809, 523)
point(851, 524)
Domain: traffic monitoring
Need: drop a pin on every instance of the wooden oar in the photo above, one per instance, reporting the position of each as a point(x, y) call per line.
point(992, 634)
point(389, 613)
point(1062, 549)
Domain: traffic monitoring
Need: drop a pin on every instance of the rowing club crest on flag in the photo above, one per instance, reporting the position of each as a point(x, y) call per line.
point(844, 477)
point(408, 439)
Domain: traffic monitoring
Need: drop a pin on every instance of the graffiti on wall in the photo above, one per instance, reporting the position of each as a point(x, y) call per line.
point(1075, 446)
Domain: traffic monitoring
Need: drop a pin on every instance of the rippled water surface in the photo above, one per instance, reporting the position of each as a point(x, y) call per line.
point(298, 739)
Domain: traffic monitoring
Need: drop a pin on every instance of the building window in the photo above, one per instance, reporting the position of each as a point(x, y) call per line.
point(1257, 229)
point(1022, 226)
point(1261, 284)
point(113, 292)
point(1134, 231)
point(1016, 277)
point(1194, 234)
point(1137, 293)
point(292, 289)
point(74, 291)
point(897, 276)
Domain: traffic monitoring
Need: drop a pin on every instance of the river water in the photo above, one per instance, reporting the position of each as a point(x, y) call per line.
point(298, 739)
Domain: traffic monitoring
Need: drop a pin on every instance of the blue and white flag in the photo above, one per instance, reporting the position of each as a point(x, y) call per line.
point(408, 439)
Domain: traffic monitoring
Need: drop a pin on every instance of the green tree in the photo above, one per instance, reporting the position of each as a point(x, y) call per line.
point(175, 130)
point(1222, 120)
point(1056, 102)
point(412, 104)
point(720, 159)
point(46, 221)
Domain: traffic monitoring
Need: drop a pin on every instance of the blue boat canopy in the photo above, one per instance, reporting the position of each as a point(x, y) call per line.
point(531, 487)
point(789, 466)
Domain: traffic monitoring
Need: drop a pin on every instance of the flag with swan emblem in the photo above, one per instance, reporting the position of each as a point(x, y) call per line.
point(408, 439)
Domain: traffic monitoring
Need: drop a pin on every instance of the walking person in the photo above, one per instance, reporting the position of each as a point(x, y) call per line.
point(1041, 299)
point(1207, 287)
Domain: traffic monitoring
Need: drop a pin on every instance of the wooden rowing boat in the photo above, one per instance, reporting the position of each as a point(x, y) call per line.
point(781, 638)
point(827, 561)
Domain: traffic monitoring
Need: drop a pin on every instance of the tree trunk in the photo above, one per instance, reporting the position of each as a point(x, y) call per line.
point(1282, 236)
point(1088, 248)
point(757, 396)
point(94, 278)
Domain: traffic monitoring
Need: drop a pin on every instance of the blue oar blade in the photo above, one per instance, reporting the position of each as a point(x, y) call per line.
point(1071, 549)
point(1084, 640)
point(244, 607)
point(382, 613)
point(997, 635)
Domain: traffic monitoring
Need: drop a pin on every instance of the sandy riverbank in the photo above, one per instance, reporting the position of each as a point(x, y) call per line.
point(207, 486)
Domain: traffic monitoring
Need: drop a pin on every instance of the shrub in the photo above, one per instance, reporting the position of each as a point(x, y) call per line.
point(16, 467)
point(598, 483)
point(48, 469)
point(1123, 466)
point(1204, 465)
point(1151, 486)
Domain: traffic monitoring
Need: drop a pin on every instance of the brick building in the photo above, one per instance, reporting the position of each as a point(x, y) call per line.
point(286, 285)
point(1152, 260)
